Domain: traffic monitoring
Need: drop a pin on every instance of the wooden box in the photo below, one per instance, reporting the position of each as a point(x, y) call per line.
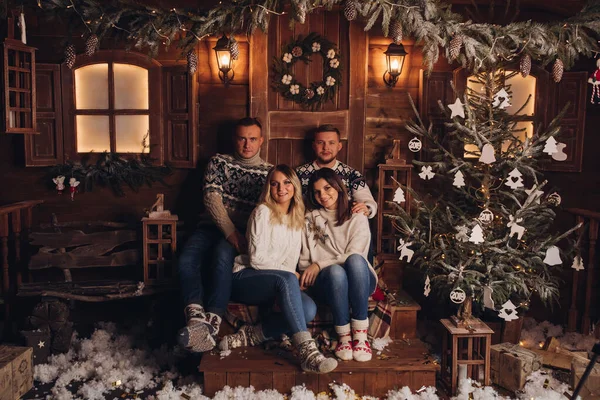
point(16, 372)
point(511, 364)
point(591, 387)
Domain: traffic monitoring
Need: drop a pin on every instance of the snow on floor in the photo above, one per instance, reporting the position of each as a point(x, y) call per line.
point(96, 367)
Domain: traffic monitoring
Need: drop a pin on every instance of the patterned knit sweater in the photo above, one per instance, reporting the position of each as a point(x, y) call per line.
point(232, 187)
point(357, 187)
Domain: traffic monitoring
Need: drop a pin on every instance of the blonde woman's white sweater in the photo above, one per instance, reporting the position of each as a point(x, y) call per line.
point(270, 245)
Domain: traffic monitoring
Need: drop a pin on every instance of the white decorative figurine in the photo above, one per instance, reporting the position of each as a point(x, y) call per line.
point(577, 264)
point(459, 179)
point(515, 179)
point(515, 228)
point(560, 155)
point(458, 109)
point(487, 154)
point(405, 251)
point(477, 235)
point(488, 302)
point(59, 181)
point(399, 196)
point(508, 311)
point(73, 183)
point(552, 256)
point(550, 147)
point(426, 172)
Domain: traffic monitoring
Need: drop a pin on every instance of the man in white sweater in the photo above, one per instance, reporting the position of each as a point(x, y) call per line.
point(326, 145)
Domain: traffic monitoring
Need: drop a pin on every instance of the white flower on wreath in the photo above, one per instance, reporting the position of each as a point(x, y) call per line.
point(334, 63)
point(330, 81)
point(286, 79)
point(320, 90)
point(294, 89)
point(316, 46)
point(331, 53)
point(287, 57)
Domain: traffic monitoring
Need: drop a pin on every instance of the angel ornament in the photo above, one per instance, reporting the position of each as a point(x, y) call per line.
point(59, 181)
point(73, 183)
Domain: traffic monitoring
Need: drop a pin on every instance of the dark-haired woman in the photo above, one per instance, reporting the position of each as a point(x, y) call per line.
point(334, 265)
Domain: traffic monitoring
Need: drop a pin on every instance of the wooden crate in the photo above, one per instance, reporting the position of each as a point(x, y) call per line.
point(409, 364)
point(16, 372)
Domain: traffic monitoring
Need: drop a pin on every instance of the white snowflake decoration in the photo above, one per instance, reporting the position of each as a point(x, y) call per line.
point(399, 196)
point(508, 311)
point(426, 172)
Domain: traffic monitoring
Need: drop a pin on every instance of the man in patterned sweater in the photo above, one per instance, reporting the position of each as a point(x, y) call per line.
point(232, 186)
point(326, 145)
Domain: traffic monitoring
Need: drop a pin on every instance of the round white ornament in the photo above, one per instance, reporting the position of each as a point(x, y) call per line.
point(458, 296)
point(415, 145)
point(486, 217)
point(554, 199)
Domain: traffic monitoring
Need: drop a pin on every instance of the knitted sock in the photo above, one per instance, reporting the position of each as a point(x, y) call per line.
point(311, 359)
point(343, 350)
point(214, 323)
point(247, 335)
point(361, 349)
point(196, 336)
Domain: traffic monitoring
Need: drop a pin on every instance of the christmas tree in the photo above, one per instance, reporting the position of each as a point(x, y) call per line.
point(484, 226)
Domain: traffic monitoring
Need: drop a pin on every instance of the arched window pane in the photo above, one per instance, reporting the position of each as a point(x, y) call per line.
point(130, 132)
point(521, 88)
point(131, 87)
point(91, 87)
point(92, 133)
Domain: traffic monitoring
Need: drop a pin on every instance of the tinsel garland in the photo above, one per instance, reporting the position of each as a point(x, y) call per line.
point(430, 22)
point(112, 170)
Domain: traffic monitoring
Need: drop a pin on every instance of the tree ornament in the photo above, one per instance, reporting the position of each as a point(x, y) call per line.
point(501, 99)
point(415, 145)
point(463, 233)
point(59, 181)
point(487, 154)
point(301, 16)
point(488, 302)
point(560, 155)
point(234, 48)
point(525, 65)
point(455, 45)
point(426, 172)
point(515, 179)
point(486, 217)
point(427, 288)
point(91, 45)
point(405, 251)
point(577, 264)
point(396, 32)
point(399, 196)
point(73, 183)
point(537, 194)
point(554, 199)
point(459, 179)
point(458, 109)
point(192, 61)
point(70, 55)
point(476, 235)
point(557, 70)
point(552, 256)
point(508, 311)
point(515, 228)
point(594, 80)
point(550, 147)
point(350, 10)
point(458, 296)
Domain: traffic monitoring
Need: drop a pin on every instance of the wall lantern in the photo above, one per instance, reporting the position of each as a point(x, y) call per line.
point(224, 60)
point(394, 55)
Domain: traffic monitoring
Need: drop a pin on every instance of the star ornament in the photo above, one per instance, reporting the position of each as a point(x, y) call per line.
point(457, 108)
point(41, 344)
point(536, 194)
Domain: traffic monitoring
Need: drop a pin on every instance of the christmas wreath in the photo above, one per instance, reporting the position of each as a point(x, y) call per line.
point(318, 92)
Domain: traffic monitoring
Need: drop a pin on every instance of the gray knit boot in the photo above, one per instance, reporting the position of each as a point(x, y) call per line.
point(247, 335)
point(311, 359)
point(214, 323)
point(196, 336)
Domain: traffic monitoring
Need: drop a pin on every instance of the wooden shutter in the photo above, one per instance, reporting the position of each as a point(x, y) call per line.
point(181, 144)
point(46, 148)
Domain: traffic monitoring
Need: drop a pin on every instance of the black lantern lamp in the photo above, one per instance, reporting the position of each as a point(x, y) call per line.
point(224, 60)
point(394, 55)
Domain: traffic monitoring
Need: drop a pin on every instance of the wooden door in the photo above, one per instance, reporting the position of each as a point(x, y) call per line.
point(286, 124)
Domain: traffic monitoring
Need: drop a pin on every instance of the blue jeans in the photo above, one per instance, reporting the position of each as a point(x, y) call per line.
point(262, 287)
point(345, 287)
point(207, 253)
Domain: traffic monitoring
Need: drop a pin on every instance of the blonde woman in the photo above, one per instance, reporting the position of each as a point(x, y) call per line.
point(268, 272)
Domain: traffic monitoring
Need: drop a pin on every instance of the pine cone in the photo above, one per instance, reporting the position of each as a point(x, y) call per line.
point(70, 56)
point(234, 48)
point(91, 44)
point(350, 10)
point(455, 45)
point(309, 94)
point(525, 65)
point(557, 70)
point(297, 51)
point(396, 32)
point(192, 60)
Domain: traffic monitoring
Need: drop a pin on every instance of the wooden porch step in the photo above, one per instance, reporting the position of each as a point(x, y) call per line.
point(403, 363)
point(404, 317)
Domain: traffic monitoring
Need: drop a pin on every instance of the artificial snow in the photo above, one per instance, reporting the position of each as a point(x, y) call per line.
point(381, 343)
point(534, 335)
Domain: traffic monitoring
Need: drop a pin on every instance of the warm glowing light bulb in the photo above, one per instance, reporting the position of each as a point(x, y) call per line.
point(224, 60)
point(394, 67)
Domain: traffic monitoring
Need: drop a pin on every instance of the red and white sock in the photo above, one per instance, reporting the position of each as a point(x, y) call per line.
point(343, 350)
point(361, 348)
